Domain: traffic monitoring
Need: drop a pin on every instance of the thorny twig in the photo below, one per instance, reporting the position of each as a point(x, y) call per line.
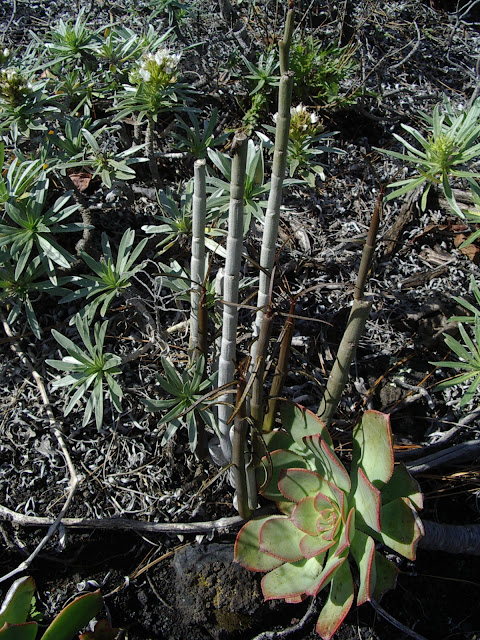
point(58, 434)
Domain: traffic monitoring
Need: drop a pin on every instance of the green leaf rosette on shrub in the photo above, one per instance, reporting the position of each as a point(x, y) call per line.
point(331, 516)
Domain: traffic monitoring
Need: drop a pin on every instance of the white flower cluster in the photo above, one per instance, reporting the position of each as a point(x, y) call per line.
point(163, 58)
point(12, 79)
point(301, 114)
point(11, 76)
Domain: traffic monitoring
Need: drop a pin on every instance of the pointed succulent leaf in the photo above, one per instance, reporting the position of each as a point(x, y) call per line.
point(331, 566)
point(328, 465)
point(386, 576)
point(312, 546)
point(17, 602)
point(305, 516)
point(292, 579)
point(345, 535)
point(372, 447)
point(300, 422)
point(279, 461)
point(280, 538)
point(74, 617)
point(402, 529)
point(367, 500)
point(402, 485)
point(338, 603)
point(296, 484)
point(247, 548)
point(279, 439)
point(363, 551)
point(20, 631)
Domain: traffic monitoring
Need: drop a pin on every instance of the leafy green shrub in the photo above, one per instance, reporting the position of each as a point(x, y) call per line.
point(35, 228)
point(189, 406)
point(304, 144)
point(18, 293)
point(468, 352)
point(319, 71)
point(196, 140)
point(112, 276)
point(450, 142)
point(87, 369)
point(154, 87)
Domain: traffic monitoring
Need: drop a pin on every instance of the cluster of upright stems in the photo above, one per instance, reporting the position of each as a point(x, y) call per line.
point(253, 413)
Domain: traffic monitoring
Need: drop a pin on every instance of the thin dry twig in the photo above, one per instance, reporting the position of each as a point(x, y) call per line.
point(274, 635)
point(381, 612)
point(15, 345)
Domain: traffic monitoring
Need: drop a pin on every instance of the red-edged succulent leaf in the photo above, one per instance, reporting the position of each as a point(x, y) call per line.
point(402, 485)
point(363, 550)
point(338, 603)
point(367, 500)
point(337, 496)
point(280, 538)
point(372, 447)
point(295, 599)
point(247, 547)
point(300, 422)
point(305, 516)
point(312, 546)
point(386, 576)
point(402, 529)
point(330, 568)
point(297, 484)
point(292, 579)
point(346, 534)
point(328, 465)
point(280, 460)
point(322, 502)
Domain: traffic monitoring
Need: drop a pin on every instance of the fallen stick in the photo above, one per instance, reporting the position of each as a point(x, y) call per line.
point(438, 537)
point(126, 524)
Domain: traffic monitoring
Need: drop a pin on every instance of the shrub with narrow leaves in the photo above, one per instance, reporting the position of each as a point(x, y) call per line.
point(330, 516)
point(87, 371)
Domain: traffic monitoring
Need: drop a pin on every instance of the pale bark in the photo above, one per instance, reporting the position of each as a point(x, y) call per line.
point(226, 364)
point(197, 263)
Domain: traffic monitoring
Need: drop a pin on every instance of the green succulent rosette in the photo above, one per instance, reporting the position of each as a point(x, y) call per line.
point(330, 516)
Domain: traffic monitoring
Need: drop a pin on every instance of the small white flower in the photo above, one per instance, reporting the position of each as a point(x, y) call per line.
point(6, 53)
point(298, 109)
point(168, 59)
point(161, 55)
point(301, 115)
point(11, 74)
point(144, 74)
point(275, 117)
